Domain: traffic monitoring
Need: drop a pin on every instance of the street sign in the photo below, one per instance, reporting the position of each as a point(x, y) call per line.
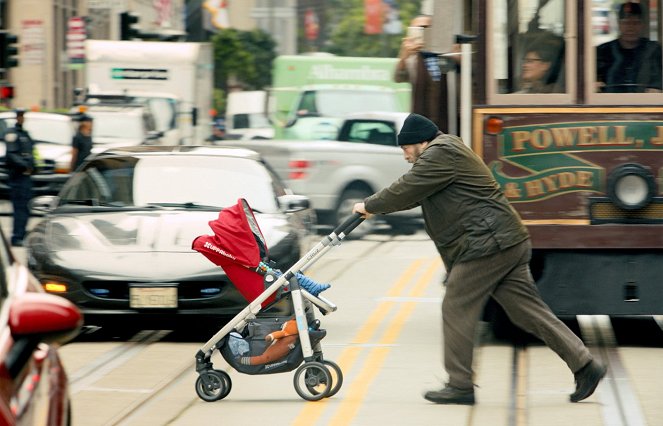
point(76, 36)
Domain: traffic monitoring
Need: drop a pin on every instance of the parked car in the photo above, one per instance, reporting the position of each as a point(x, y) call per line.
point(161, 107)
point(117, 240)
point(52, 134)
point(33, 381)
point(116, 126)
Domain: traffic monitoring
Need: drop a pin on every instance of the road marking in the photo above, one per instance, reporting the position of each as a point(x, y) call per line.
point(413, 299)
point(312, 411)
point(112, 359)
point(350, 405)
point(619, 402)
point(124, 390)
point(518, 414)
point(362, 345)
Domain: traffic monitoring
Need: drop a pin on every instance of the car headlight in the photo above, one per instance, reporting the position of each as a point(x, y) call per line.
point(631, 186)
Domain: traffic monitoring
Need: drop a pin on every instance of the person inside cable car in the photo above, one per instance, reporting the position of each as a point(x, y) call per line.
point(631, 63)
point(541, 67)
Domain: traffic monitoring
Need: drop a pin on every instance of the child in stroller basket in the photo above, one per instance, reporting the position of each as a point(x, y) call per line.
point(283, 341)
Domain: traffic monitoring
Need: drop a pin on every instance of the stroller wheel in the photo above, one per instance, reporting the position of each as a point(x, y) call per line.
point(213, 385)
point(336, 377)
point(313, 381)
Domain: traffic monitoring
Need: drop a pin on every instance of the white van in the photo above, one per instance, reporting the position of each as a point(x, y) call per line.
point(122, 126)
point(246, 117)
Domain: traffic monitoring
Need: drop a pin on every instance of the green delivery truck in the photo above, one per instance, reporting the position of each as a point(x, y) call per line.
point(311, 94)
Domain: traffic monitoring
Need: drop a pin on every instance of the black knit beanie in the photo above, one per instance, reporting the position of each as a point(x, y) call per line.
point(417, 129)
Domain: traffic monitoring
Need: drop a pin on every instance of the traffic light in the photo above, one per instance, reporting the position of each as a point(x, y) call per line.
point(6, 92)
point(128, 31)
point(8, 50)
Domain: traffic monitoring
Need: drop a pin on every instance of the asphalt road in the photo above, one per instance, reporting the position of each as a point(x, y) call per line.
point(386, 338)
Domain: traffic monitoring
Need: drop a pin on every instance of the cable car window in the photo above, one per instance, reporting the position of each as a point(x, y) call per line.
point(530, 52)
point(630, 61)
point(626, 50)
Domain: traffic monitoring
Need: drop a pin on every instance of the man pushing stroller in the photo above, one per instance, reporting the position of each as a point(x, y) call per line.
point(486, 251)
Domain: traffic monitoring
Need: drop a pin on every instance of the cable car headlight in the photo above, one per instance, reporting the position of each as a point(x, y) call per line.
point(631, 186)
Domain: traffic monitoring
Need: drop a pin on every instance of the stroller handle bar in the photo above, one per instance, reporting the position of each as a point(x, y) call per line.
point(349, 224)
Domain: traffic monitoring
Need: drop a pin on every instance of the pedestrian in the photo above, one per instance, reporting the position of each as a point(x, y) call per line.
point(20, 166)
point(218, 131)
point(423, 71)
point(81, 144)
point(486, 251)
point(632, 62)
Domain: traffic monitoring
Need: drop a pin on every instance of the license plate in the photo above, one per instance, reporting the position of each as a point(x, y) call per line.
point(152, 297)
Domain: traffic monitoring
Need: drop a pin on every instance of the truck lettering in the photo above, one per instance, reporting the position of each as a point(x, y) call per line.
point(364, 73)
point(139, 74)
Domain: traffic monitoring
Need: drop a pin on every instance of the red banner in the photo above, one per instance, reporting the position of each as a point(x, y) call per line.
point(311, 25)
point(373, 16)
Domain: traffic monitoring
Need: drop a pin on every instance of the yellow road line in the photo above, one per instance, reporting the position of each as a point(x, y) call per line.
point(521, 388)
point(351, 403)
point(313, 410)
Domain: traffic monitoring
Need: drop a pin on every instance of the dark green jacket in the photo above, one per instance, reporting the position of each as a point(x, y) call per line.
point(466, 214)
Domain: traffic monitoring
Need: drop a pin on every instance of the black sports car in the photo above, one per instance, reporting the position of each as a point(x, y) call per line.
point(117, 239)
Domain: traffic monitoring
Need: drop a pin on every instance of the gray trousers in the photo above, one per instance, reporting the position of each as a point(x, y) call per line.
point(507, 278)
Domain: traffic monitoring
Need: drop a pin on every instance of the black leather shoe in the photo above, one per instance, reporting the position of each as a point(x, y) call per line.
point(587, 379)
point(451, 395)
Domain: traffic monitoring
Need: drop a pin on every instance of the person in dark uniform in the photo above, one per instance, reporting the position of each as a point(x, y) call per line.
point(20, 165)
point(81, 144)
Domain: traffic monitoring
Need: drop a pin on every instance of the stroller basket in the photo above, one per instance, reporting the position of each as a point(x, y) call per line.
point(239, 350)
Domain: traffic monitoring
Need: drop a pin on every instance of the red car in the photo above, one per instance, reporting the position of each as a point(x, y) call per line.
point(33, 383)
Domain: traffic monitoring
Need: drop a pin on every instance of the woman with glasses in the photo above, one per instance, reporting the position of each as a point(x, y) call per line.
point(541, 64)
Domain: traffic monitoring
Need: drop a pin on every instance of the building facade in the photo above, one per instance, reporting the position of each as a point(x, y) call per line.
point(51, 35)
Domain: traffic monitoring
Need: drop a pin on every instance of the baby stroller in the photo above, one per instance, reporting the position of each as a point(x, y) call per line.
point(266, 344)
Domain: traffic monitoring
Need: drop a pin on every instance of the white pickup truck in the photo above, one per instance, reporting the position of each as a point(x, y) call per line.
point(335, 174)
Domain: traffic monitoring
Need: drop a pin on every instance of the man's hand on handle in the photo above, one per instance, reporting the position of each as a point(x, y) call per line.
point(361, 209)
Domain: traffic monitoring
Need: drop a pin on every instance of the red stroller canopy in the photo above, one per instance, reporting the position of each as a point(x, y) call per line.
point(237, 246)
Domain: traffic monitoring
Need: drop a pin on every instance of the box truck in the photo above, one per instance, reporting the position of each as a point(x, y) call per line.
point(311, 94)
point(174, 79)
